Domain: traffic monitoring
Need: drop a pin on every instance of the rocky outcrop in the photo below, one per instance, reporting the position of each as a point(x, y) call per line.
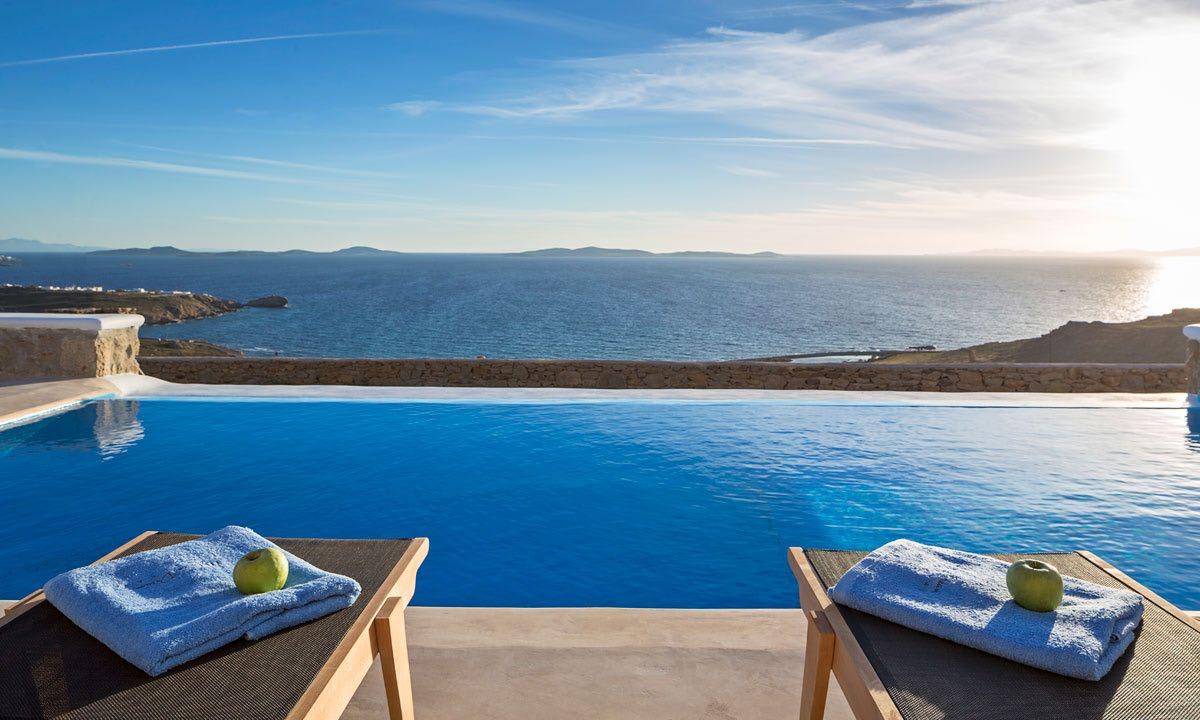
point(642, 374)
point(1157, 339)
point(268, 301)
point(155, 347)
point(156, 307)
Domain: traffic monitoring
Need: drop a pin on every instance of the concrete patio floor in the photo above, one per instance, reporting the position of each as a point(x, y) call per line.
point(601, 663)
point(20, 400)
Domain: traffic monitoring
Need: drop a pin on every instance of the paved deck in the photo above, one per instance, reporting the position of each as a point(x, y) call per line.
point(23, 399)
point(601, 663)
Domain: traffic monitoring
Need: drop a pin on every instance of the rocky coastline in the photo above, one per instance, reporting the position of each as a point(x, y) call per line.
point(158, 307)
point(1155, 339)
point(163, 347)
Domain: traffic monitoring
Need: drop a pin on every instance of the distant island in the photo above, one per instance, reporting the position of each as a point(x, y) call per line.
point(365, 251)
point(25, 245)
point(593, 251)
point(172, 251)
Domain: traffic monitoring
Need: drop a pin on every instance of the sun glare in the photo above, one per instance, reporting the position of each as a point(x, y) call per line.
point(1173, 286)
point(1157, 136)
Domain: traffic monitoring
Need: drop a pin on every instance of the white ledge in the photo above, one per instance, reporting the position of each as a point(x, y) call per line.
point(144, 387)
point(1192, 332)
point(69, 321)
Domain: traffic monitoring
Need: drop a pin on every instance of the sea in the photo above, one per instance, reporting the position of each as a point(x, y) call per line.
point(500, 306)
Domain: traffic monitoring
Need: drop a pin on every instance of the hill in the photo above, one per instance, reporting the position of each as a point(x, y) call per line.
point(590, 251)
point(157, 251)
point(25, 245)
point(171, 251)
point(1156, 339)
point(156, 307)
point(168, 251)
point(157, 347)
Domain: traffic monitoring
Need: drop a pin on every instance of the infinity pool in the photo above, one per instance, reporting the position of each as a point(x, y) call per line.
point(620, 503)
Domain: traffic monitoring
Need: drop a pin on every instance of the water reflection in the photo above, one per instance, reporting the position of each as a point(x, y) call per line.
point(106, 428)
point(1193, 423)
point(1173, 285)
point(116, 427)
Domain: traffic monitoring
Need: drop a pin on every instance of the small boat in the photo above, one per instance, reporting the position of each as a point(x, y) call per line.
point(7, 260)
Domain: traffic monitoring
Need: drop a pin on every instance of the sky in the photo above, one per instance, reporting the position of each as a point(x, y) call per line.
point(817, 126)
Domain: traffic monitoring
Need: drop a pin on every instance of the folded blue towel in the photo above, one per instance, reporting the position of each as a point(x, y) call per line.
point(162, 608)
point(964, 598)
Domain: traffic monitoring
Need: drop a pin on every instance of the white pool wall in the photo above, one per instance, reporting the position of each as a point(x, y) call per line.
point(143, 387)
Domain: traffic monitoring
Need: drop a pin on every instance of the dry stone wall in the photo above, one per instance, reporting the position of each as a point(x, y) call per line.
point(639, 374)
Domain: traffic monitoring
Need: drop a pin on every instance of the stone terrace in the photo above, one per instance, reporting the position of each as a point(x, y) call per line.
point(643, 374)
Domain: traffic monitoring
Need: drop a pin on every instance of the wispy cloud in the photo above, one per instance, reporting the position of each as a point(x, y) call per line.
point(945, 3)
point(512, 13)
point(743, 171)
point(824, 8)
point(976, 76)
point(269, 162)
point(135, 164)
point(771, 141)
point(184, 46)
point(414, 108)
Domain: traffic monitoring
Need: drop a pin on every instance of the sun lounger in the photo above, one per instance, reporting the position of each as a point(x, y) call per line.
point(889, 672)
point(51, 668)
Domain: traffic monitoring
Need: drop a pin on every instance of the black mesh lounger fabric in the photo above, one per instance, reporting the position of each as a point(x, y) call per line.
point(928, 678)
point(49, 668)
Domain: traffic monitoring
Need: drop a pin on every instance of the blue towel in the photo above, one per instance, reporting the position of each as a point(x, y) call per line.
point(162, 608)
point(964, 598)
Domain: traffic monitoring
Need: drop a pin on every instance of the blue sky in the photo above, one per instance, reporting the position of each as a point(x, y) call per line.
point(896, 126)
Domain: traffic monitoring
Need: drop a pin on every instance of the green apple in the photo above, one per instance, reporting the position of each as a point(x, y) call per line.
point(261, 571)
point(1035, 585)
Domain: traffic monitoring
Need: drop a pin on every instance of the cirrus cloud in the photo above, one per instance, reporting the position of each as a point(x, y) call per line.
point(976, 76)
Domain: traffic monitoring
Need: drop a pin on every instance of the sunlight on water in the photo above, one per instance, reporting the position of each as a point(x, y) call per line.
point(1176, 284)
point(462, 306)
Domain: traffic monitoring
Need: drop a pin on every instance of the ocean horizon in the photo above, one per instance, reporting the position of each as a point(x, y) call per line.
point(464, 305)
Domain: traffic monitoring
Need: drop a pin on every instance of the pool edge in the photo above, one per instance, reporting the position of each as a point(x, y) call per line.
point(148, 388)
point(23, 402)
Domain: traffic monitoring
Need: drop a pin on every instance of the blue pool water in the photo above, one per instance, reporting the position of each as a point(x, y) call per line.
point(623, 503)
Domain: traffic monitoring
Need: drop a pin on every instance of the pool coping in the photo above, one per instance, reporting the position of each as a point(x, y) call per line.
point(149, 388)
point(27, 401)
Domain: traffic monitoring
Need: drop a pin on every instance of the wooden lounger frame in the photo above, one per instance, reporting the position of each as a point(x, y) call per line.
point(832, 648)
point(379, 630)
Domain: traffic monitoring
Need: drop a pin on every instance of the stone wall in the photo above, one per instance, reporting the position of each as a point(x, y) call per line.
point(659, 374)
point(55, 352)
